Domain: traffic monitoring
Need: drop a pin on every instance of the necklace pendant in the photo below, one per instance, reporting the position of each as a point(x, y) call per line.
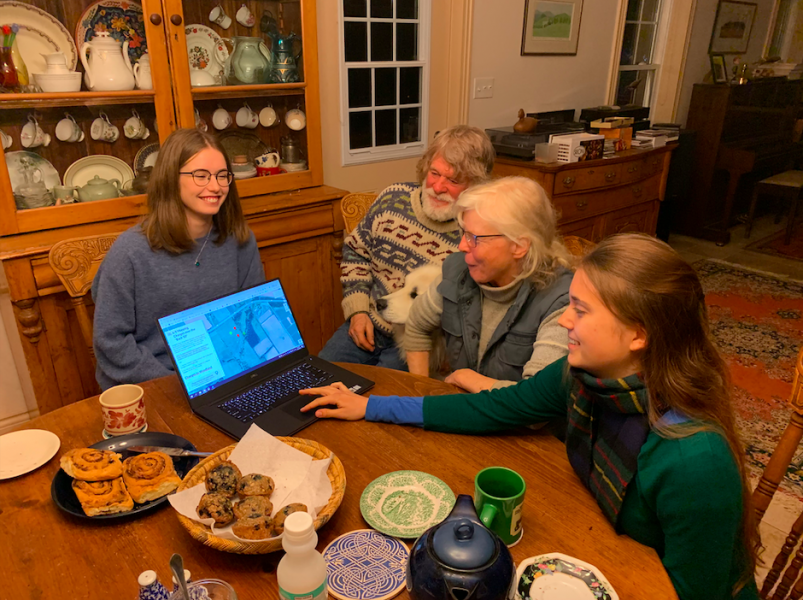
point(197, 263)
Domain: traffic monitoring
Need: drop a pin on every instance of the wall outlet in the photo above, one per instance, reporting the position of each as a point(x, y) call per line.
point(484, 87)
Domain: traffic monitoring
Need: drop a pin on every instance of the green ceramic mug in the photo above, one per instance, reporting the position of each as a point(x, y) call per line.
point(499, 498)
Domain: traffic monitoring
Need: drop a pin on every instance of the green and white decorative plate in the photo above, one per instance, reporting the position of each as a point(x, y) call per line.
point(559, 577)
point(405, 504)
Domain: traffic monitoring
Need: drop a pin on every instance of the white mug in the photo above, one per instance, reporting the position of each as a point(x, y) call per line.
point(6, 140)
point(268, 160)
point(247, 117)
point(134, 128)
point(32, 135)
point(218, 15)
point(296, 119)
point(103, 130)
point(67, 130)
point(267, 116)
point(199, 122)
point(245, 17)
point(221, 118)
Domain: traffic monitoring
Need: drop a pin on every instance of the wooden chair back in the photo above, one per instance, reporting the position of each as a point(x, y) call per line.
point(578, 246)
point(75, 262)
point(762, 496)
point(354, 207)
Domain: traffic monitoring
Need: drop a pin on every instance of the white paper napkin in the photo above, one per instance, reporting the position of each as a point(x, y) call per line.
point(297, 476)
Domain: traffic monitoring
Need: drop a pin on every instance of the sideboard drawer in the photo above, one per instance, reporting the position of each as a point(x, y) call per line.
point(579, 206)
point(634, 170)
point(575, 180)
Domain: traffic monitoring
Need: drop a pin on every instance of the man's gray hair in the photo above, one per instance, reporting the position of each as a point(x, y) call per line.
point(464, 148)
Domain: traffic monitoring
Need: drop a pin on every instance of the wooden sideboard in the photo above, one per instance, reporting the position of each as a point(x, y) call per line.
point(300, 238)
point(598, 198)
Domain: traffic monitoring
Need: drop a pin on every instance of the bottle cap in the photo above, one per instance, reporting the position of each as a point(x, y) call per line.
point(146, 578)
point(298, 527)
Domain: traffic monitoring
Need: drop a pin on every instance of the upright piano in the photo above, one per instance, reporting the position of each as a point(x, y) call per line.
point(740, 129)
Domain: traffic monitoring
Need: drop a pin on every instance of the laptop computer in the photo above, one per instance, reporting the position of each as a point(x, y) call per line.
point(241, 359)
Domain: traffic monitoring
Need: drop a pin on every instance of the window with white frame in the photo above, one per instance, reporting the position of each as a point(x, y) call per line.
point(384, 78)
point(638, 61)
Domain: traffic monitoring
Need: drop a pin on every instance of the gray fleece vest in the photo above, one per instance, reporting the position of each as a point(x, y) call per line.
point(511, 345)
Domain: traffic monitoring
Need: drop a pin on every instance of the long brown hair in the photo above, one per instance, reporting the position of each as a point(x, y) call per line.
point(645, 283)
point(165, 225)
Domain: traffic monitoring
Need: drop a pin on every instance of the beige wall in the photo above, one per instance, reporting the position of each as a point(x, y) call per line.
point(446, 81)
point(538, 83)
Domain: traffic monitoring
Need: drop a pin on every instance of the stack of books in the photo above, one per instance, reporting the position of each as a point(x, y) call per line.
point(649, 138)
point(670, 130)
point(610, 148)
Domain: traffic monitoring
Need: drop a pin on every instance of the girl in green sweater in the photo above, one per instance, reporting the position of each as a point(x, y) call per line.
point(651, 431)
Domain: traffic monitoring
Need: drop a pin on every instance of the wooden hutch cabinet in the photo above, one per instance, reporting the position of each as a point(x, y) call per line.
point(599, 198)
point(295, 218)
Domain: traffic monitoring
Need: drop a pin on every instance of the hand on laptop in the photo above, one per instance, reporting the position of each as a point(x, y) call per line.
point(348, 405)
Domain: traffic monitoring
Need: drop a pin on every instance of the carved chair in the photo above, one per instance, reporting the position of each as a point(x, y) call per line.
point(773, 474)
point(578, 246)
point(75, 262)
point(353, 207)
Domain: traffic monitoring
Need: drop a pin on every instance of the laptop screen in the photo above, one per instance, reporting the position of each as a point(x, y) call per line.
point(218, 341)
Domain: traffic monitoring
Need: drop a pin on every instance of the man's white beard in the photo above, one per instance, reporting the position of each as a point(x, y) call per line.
point(438, 213)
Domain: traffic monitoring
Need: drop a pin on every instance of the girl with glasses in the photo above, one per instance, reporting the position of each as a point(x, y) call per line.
point(193, 245)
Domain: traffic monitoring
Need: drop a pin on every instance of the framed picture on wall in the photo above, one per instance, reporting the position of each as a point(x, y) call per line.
point(719, 71)
point(732, 27)
point(551, 26)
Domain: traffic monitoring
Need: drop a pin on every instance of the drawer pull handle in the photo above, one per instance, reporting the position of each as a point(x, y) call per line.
point(176, 20)
point(637, 191)
point(632, 168)
point(156, 19)
point(581, 204)
point(609, 176)
point(568, 181)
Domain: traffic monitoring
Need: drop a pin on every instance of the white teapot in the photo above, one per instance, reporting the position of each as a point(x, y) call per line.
point(142, 73)
point(109, 68)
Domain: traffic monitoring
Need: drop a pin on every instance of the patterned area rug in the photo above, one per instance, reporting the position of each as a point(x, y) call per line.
point(774, 246)
point(757, 321)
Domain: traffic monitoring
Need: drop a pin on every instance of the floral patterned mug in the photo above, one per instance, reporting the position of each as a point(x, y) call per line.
point(123, 409)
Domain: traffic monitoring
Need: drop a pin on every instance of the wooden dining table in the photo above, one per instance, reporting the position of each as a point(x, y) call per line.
point(47, 553)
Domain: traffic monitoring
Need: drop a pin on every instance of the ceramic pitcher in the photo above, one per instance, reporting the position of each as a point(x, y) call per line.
point(248, 62)
point(108, 68)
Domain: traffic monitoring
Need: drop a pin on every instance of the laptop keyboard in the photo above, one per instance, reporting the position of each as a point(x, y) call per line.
point(256, 401)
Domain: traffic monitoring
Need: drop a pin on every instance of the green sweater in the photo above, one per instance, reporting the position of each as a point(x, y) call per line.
point(685, 500)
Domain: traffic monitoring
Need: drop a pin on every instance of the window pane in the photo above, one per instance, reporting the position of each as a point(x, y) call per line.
point(354, 8)
point(360, 133)
point(633, 87)
point(406, 9)
point(381, 41)
point(382, 9)
point(410, 85)
point(409, 125)
point(644, 49)
point(355, 36)
point(359, 88)
point(386, 127)
point(385, 87)
point(633, 10)
point(649, 11)
point(629, 45)
point(406, 41)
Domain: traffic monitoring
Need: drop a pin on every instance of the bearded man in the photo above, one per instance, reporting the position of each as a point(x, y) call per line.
point(408, 226)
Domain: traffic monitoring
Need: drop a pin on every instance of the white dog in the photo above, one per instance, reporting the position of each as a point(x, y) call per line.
point(395, 308)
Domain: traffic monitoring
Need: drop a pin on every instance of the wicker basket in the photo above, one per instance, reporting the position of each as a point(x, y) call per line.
point(202, 533)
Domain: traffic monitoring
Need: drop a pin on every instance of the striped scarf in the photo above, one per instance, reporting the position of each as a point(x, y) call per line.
point(607, 425)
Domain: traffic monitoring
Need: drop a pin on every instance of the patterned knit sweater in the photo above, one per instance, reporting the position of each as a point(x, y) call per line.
point(394, 238)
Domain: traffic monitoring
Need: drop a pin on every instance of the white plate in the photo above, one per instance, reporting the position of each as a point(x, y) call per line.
point(201, 45)
point(23, 451)
point(102, 165)
point(39, 32)
point(17, 161)
point(560, 577)
point(146, 157)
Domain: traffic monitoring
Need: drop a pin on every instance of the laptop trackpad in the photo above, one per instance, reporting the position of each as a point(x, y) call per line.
point(294, 406)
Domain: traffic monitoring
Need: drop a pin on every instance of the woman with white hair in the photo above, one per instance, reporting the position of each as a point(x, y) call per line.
point(499, 299)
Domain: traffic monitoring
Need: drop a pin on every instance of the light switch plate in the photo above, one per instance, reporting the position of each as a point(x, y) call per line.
point(484, 87)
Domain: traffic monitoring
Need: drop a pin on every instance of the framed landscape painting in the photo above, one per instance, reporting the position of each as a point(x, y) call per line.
point(551, 26)
point(732, 27)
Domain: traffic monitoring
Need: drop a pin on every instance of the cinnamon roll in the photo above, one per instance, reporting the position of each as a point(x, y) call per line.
point(90, 464)
point(103, 497)
point(149, 476)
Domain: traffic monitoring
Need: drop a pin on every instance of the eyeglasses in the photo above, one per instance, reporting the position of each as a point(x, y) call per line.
point(202, 177)
point(471, 239)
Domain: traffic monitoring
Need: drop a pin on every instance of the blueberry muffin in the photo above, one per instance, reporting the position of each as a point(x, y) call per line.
point(259, 528)
point(223, 479)
point(216, 506)
point(278, 520)
point(253, 507)
point(255, 485)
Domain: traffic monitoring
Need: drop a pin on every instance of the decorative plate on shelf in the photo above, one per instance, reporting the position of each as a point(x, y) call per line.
point(146, 157)
point(202, 45)
point(23, 451)
point(559, 577)
point(19, 162)
point(406, 503)
point(39, 33)
point(238, 143)
point(121, 18)
point(366, 565)
point(102, 165)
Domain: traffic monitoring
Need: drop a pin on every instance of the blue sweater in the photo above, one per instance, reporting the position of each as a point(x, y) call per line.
point(136, 285)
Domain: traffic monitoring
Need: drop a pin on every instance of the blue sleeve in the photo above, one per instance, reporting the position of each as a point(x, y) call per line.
point(402, 410)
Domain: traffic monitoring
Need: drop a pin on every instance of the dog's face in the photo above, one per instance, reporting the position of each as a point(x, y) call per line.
point(395, 307)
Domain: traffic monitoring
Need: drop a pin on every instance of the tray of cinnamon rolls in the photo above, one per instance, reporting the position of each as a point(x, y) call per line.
point(107, 481)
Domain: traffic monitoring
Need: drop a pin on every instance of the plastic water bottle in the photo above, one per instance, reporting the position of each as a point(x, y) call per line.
point(302, 570)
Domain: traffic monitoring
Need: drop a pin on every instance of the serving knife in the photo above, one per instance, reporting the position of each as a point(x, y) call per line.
point(166, 450)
